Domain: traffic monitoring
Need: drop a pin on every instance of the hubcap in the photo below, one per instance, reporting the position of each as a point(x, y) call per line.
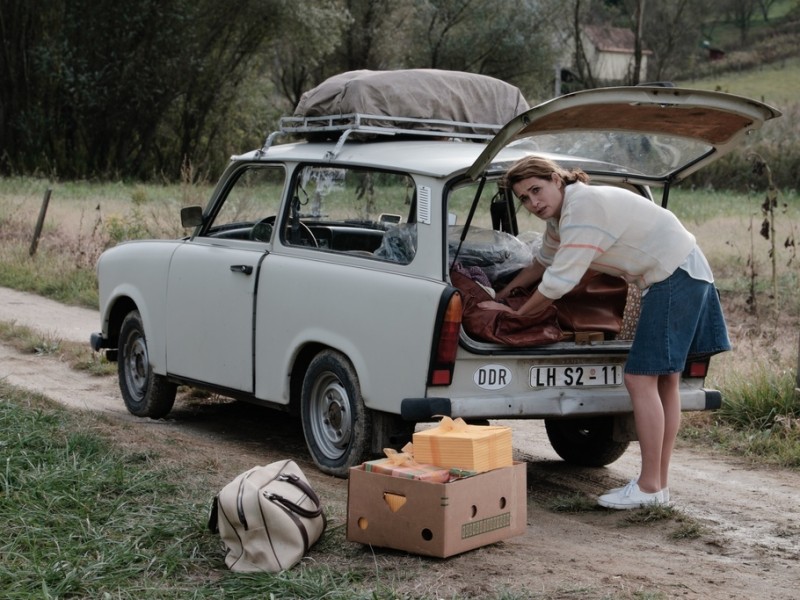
point(331, 419)
point(136, 366)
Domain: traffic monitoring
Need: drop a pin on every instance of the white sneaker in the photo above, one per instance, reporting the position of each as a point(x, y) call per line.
point(664, 491)
point(629, 497)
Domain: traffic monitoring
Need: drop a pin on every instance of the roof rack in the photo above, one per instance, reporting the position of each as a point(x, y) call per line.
point(375, 125)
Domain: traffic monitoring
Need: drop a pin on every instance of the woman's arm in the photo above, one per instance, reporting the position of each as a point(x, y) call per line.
point(524, 279)
point(534, 306)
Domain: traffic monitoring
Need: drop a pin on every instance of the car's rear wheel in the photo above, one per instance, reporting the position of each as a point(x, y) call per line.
point(587, 441)
point(336, 424)
point(145, 394)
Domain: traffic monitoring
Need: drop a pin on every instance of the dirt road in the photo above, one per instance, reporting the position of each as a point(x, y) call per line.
point(748, 518)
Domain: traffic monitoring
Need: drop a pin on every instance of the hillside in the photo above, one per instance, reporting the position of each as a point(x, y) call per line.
point(777, 84)
point(767, 68)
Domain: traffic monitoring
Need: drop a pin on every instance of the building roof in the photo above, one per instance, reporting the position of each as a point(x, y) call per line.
point(612, 39)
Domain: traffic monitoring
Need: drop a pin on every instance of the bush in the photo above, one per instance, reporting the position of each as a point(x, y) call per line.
point(762, 401)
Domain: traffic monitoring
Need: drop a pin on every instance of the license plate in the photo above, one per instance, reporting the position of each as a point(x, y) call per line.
point(576, 375)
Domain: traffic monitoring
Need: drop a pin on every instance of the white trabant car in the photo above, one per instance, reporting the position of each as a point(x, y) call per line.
point(317, 279)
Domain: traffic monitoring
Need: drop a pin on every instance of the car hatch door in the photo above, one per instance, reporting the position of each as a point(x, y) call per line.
point(652, 134)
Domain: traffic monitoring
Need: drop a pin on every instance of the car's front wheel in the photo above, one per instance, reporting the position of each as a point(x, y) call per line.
point(145, 394)
point(336, 424)
point(586, 441)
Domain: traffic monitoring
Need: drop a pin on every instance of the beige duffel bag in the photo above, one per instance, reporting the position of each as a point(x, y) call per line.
point(268, 518)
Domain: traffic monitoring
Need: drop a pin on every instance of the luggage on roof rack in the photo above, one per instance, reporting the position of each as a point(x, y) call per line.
point(408, 101)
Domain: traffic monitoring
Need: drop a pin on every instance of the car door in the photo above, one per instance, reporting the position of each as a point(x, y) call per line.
point(212, 283)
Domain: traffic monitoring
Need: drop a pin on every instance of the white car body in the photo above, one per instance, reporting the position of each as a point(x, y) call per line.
point(247, 317)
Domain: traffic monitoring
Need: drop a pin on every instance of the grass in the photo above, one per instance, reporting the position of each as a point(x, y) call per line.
point(759, 419)
point(77, 355)
point(572, 503)
point(776, 84)
point(687, 529)
point(727, 226)
point(85, 519)
point(82, 220)
point(75, 512)
point(764, 401)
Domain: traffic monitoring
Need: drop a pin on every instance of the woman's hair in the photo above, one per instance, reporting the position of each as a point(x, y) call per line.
point(543, 168)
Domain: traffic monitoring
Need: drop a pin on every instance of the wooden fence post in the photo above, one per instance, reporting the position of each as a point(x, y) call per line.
point(40, 222)
point(797, 381)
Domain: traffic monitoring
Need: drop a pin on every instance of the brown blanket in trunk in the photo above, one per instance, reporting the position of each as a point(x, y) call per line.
point(596, 304)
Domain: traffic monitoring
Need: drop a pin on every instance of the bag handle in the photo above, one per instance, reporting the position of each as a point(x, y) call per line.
point(213, 518)
point(296, 508)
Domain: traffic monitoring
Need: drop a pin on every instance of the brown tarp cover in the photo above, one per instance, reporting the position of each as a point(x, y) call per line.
point(416, 93)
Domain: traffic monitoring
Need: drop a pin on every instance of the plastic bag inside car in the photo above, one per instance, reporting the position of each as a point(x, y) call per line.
point(399, 243)
point(497, 253)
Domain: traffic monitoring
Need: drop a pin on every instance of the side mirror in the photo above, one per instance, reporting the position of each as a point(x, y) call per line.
point(191, 216)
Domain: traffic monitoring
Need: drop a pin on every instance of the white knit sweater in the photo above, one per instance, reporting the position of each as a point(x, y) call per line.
point(611, 230)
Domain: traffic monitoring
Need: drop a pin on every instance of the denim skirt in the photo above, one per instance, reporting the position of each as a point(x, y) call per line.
point(680, 318)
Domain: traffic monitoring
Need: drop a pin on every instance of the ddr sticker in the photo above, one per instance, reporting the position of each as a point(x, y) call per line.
point(492, 377)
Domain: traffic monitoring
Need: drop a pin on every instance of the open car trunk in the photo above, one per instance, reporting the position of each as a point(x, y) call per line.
point(601, 308)
point(638, 137)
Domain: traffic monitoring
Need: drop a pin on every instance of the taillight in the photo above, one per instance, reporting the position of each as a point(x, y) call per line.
point(696, 368)
point(445, 343)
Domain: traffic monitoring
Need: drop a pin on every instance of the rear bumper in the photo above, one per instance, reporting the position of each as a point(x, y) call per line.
point(535, 407)
point(98, 342)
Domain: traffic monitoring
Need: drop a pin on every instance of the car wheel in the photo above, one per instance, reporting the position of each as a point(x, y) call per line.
point(587, 442)
point(145, 393)
point(336, 424)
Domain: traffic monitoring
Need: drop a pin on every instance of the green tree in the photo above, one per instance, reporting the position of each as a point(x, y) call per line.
point(741, 12)
point(674, 36)
point(301, 55)
point(107, 88)
point(512, 41)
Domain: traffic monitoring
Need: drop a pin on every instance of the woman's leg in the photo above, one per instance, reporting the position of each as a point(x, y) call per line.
point(669, 391)
point(648, 413)
point(657, 412)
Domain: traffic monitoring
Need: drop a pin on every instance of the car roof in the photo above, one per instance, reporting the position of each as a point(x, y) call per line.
point(436, 158)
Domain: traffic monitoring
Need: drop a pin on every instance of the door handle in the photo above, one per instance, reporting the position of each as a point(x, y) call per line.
point(246, 269)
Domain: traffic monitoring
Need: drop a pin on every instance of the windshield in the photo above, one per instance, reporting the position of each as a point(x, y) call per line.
point(641, 154)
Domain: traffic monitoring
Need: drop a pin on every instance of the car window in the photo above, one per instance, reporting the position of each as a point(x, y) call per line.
point(490, 242)
point(359, 211)
point(616, 151)
point(251, 205)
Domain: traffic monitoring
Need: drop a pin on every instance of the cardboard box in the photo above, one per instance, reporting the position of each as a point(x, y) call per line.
point(436, 519)
point(456, 444)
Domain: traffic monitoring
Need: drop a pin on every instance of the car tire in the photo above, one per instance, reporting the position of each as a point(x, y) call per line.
point(145, 394)
point(586, 442)
point(336, 424)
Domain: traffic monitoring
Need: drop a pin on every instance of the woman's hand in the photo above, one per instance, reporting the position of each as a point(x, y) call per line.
point(492, 305)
